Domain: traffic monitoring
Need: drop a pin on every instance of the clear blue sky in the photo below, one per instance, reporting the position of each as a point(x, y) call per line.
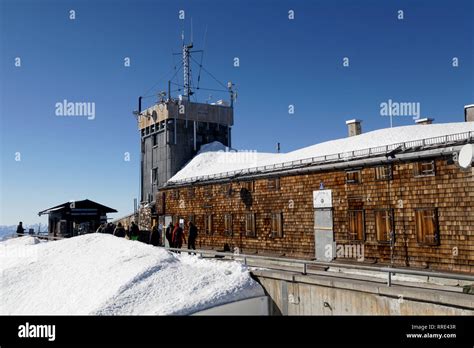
point(282, 62)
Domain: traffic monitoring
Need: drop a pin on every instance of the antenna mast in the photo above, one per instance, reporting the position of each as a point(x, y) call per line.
point(186, 67)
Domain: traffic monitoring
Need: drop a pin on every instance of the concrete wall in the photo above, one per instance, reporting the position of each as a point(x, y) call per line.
point(252, 306)
point(174, 148)
point(294, 294)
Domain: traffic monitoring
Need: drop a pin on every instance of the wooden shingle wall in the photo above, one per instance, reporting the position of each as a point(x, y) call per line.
point(450, 190)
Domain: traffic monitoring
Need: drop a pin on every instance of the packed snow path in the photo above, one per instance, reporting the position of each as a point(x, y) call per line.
point(106, 275)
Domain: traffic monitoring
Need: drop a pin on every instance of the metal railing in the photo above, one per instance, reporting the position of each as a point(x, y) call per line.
point(444, 140)
point(42, 236)
point(389, 271)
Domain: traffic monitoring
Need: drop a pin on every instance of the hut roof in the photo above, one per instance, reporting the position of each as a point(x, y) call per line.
point(84, 204)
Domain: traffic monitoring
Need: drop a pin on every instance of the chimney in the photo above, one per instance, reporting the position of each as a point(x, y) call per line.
point(353, 126)
point(469, 113)
point(425, 120)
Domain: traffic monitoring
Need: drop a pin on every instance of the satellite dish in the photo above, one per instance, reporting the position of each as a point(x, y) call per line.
point(466, 156)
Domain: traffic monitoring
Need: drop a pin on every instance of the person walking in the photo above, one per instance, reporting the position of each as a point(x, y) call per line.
point(101, 228)
point(193, 233)
point(155, 236)
point(119, 230)
point(20, 229)
point(109, 228)
point(178, 236)
point(169, 234)
point(134, 231)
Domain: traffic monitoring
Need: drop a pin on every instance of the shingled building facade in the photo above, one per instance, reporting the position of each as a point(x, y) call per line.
point(406, 204)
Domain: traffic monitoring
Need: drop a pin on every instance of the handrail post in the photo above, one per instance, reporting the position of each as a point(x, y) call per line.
point(304, 268)
point(389, 279)
point(245, 260)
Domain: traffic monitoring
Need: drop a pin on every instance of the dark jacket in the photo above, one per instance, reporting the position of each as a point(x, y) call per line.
point(169, 233)
point(134, 232)
point(20, 229)
point(178, 236)
point(155, 236)
point(119, 232)
point(193, 232)
point(109, 229)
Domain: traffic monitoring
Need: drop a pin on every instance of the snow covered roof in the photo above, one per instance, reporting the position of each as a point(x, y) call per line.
point(216, 161)
point(102, 274)
point(214, 158)
point(84, 204)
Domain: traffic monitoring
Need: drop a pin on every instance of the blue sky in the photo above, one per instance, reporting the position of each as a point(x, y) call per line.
point(282, 62)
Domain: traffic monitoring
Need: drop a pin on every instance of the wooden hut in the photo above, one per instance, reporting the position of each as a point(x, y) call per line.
point(76, 217)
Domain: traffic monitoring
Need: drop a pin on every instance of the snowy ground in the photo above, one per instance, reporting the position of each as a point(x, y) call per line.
point(105, 275)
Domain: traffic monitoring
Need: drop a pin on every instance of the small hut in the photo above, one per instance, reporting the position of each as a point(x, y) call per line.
point(76, 217)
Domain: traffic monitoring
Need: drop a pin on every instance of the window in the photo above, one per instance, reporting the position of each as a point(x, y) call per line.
point(192, 218)
point(154, 176)
point(228, 224)
point(383, 172)
point(427, 231)
point(273, 184)
point(176, 194)
point(208, 224)
point(190, 192)
point(356, 225)
point(249, 185)
point(154, 139)
point(383, 224)
point(277, 225)
point(426, 168)
point(250, 225)
point(353, 177)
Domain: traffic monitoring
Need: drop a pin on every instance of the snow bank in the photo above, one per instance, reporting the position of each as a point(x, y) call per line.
point(217, 159)
point(105, 275)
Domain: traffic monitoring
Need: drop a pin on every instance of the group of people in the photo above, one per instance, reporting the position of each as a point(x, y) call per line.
point(174, 234)
point(118, 230)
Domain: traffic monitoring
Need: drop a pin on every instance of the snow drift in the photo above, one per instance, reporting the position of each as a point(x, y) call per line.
point(106, 275)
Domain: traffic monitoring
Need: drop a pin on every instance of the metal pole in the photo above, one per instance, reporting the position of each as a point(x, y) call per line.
point(194, 134)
